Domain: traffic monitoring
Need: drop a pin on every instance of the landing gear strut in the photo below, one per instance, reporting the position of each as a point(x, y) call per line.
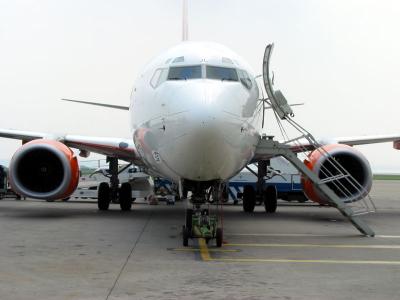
point(114, 181)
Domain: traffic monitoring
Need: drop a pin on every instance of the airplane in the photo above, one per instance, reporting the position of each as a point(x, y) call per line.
point(195, 119)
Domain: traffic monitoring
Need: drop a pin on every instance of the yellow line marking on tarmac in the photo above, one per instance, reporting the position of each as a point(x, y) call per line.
point(305, 235)
point(321, 261)
point(317, 246)
point(279, 234)
point(198, 250)
point(205, 255)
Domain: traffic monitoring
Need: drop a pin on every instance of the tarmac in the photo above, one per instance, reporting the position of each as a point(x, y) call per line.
point(70, 250)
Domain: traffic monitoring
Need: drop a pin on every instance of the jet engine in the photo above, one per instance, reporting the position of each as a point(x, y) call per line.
point(353, 161)
point(44, 169)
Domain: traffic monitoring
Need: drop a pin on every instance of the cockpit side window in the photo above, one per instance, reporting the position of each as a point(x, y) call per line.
point(184, 72)
point(245, 79)
point(159, 76)
point(221, 73)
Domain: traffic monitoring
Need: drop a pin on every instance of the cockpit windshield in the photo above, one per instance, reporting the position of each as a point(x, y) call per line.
point(203, 71)
point(184, 72)
point(221, 73)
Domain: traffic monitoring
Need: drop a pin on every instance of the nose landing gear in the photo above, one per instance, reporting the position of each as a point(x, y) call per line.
point(200, 223)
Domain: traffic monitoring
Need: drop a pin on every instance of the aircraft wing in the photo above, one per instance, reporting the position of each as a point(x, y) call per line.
point(24, 136)
point(303, 145)
point(363, 140)
point(115, 147)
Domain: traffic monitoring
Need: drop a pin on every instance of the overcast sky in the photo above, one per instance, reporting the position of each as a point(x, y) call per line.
point(342, 58)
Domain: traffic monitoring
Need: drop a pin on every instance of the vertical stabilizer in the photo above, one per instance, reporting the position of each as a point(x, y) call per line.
point(185, 24)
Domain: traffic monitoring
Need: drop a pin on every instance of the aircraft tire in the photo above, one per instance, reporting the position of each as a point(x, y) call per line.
point(184, 193)
point(125, 197)
point(249, 198)
point(185, 236)
point(219, 237)
point(225, 194)
point(103, 196)
point(270, 199)
point(189, 217)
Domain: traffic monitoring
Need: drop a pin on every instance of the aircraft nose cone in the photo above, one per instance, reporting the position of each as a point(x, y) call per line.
point(202, 154)
point(206, 146)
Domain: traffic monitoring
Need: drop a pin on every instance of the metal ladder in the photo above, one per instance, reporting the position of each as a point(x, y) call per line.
point(267, 147)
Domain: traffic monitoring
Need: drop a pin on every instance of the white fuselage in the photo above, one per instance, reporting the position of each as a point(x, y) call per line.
point(194, 113)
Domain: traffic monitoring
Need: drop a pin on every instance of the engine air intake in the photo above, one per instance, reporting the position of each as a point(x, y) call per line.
point(44, 169)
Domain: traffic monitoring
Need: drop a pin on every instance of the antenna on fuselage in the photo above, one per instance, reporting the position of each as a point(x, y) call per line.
point(185, 23)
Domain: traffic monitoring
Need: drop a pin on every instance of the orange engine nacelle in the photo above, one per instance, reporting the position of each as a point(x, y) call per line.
point(44, 169)
point(353, 161)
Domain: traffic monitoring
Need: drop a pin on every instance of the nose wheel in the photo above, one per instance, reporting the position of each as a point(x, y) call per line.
point(185, 235)
point(219, 237)
point(189, 218)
